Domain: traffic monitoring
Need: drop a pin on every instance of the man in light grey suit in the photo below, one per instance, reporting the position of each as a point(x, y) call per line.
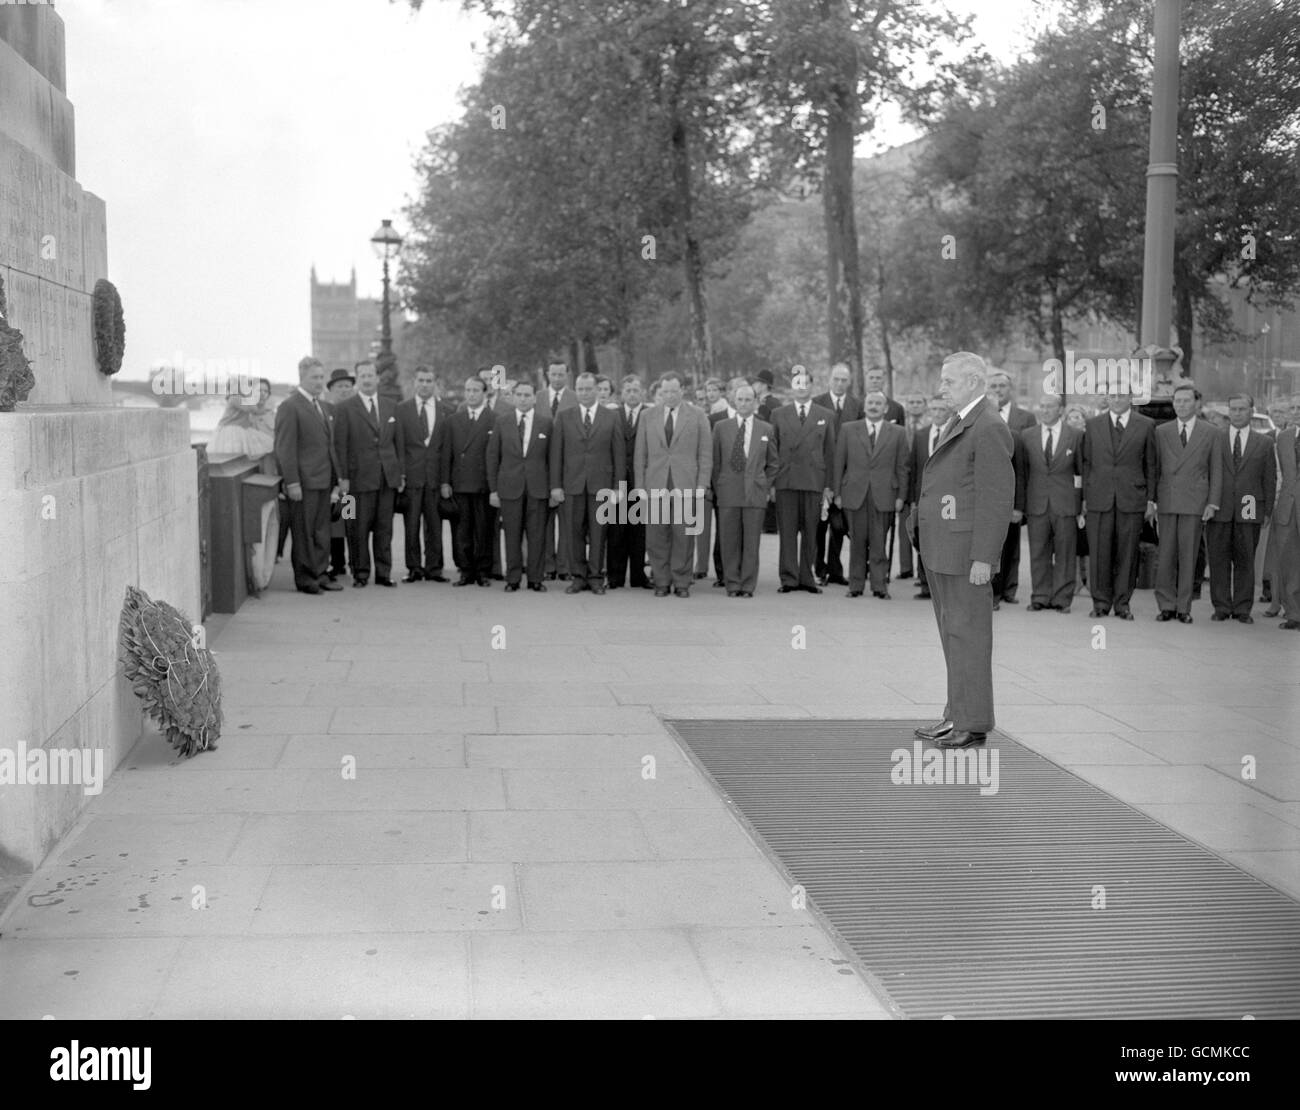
point(674, 452)
point(1189, 486)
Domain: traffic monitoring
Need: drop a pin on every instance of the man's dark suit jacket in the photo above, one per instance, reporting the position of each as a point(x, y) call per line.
point(1188, 478)
point(464, 451)
point(852, 409)
point(858, 472)
point(368, 450)
point(1255, 478)
point(304, 446)
point(1123, 480)
point(895, 413)
point(1047, 486)
point(423, 465)
point(747, 490)
point(1018, 419)
point(967, 492)
point(509, 472)
point(806, 451)
point(587, 462)
point(629, 432)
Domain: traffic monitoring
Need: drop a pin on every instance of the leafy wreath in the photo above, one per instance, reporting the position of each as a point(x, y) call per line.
point(109, 327)
point(16, 377)
point(178, 681)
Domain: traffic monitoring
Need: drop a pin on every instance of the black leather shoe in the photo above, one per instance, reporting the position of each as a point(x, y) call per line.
point(497, 577)
point(854, 593)
point(436, 577)
point(1184, 618)
point(905, 574)
point(733, 593)
point(882, 594)
point(1220, 617)
point(551, 577)
point(1061, 608)
point(682, 593)
point(331, 587)
point(963, 740)
point(924, 595)
point(1290, 626)
point(838, 580)
point(701, 574)
point(746, 593)
point(463, 582)
point(597, 588)
point(1124, 614)
point(661, 591)
point(1036, 606)
point(719, 584)
point(1098, 611)
point(312, 589)
point(812, 589)
point(358, 583)
point(414, 576)
point(386, 582)
point(575, 587)
point(934, 731)
point(1166, 615)
point(484, 582)
point(512, 587)
point(787, 589)
point(537, 587)
point(1010, 601)
point(996, 606)
point(564, 577)
point(1245, 618)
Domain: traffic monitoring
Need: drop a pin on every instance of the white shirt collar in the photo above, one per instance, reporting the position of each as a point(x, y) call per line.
point(1120, 418)
point(309, 397)
point(970, 407)
point(589, 410)
point(1053, 428)
point(474, 413)
point(1190, 423)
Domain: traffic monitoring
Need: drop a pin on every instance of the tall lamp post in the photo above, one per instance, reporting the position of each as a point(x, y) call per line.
point(387, 243)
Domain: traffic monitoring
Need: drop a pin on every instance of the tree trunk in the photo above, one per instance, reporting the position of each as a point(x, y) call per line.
point(884, 326)
point(1058, 333)
point(843, 272)
point(589, 363)
point(1184, 324)
point(692, 257)
point(575, 357)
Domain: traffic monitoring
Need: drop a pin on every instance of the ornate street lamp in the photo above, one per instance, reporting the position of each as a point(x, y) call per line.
point(387, 243)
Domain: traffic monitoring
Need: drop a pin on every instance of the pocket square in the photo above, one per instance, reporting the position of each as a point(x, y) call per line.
point(762, 439)
point(820, 423)
point(541, 435)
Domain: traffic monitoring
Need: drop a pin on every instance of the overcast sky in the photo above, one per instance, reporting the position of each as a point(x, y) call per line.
point(239, 142)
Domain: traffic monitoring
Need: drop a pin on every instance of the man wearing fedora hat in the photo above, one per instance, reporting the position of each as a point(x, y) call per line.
point(341, 386)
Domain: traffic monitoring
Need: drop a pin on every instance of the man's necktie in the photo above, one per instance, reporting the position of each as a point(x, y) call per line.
point(1047, 449)
point(522, 420)
point(839, 412)
point(1236, 449)
point(555, 403)
point(424, 422)
point(871, 440)
point(1116, 431)
point(738, 450)
point(1182, 434)
point(586, 421)
point(668, 429)
point(802, 414)
point(321, 413)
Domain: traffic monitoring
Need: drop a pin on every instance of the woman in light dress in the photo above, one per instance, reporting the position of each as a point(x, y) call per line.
point(246, 429)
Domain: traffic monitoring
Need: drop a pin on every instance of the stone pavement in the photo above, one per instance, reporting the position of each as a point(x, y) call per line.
point(501, 850)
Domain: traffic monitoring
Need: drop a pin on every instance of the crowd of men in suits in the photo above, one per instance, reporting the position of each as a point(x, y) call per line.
point(604, 494)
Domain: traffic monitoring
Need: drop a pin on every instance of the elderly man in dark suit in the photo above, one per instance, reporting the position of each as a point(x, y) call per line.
point(423, 422)
point(464, 468)
point(1286, 525)
point(1119, 486)
point(1007, 581)
point(744, 465)
point(1189, 489)
point(967, 492)
point(832, 531)
point(370, 448)
point(304, 452)
point(923, 443)
point(519, 483)
point(805, 443)
point(588, 463)
point(673, 468)
point(1049, 493)
point(1232, 535)
point(869, 481)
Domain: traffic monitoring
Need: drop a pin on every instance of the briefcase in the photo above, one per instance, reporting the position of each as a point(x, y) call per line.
point(447, 508)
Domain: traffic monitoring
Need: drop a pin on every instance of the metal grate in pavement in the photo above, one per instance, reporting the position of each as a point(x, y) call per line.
point(991, 905)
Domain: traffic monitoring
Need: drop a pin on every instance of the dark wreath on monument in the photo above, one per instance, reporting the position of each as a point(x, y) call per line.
point(177, 680)
point(109, 327)
point(16, 377)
